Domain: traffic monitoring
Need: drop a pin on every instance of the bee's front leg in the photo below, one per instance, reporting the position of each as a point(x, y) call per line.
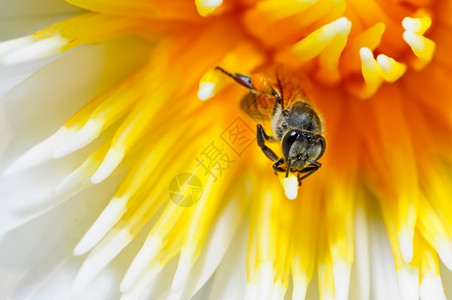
point(261, 137)
point(277, 166)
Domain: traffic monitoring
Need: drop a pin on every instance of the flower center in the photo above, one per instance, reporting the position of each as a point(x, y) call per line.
point(356, 44)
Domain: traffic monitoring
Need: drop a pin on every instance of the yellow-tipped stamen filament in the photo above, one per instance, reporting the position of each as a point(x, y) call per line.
point(319, 40)
point(391, 70)
point(82, 173)
point(66, 35)
point(415, 27)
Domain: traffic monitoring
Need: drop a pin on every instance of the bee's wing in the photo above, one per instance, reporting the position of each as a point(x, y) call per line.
point(258, 106)
point(292, 85)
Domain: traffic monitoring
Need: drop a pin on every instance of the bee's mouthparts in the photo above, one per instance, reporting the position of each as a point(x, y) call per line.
point(288, 167)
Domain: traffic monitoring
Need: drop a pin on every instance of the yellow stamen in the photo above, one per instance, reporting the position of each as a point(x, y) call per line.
point(369, 38)
point(432, 229)
point(329, 58)
point(319, 40)
point(277, 9)
point(419, 23)
point(415, 27)
point(376, 71)
point(391, 70)
point(370, 70)
point(422, 47)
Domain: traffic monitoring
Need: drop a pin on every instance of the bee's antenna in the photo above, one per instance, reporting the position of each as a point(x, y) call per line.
point(224, 71)
point(239, 78)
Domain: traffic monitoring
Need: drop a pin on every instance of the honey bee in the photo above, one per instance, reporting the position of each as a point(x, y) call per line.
point(294, 121)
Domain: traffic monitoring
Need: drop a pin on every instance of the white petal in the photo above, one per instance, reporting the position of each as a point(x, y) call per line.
point(26, 110)
point(12, 75)
point(35, 8)
point(36, 258)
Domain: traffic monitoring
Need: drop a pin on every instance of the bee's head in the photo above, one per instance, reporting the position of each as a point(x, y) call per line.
point(300, 146)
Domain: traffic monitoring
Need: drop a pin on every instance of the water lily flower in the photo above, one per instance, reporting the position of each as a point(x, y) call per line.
point(129, 170)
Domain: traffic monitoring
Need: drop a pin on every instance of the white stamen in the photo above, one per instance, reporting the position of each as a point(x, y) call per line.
point(150, 248)
point(76, 177)
point(414, 40)
point(362, 259)
point(106, 220)
point(408, 278)
point(412, 24)
point(278, 291)
point(300, 287)
point(229, 281)
point(36, 50)
point(432, 288)
point(217, 242)
point(206, 7)
point(367, 56)
point(39, 153)
point(182, 273)
point(385, 62)
point(143, 282)
point(383, 273)
point(206, 90)
point(266, 275)
point(108, 165)
point(211, 4)
point(340, 26)
point(341, 274)
point(444, 248)
point(81, 138)
point(251, 292)
point(406, 243)
point(11, 45)
point(105, 252)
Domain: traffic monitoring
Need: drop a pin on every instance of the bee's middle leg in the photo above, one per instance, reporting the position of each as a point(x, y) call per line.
point(261, 137)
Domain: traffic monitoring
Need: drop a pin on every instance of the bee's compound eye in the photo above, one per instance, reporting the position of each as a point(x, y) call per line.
point(288, 140)
point(322, 143)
